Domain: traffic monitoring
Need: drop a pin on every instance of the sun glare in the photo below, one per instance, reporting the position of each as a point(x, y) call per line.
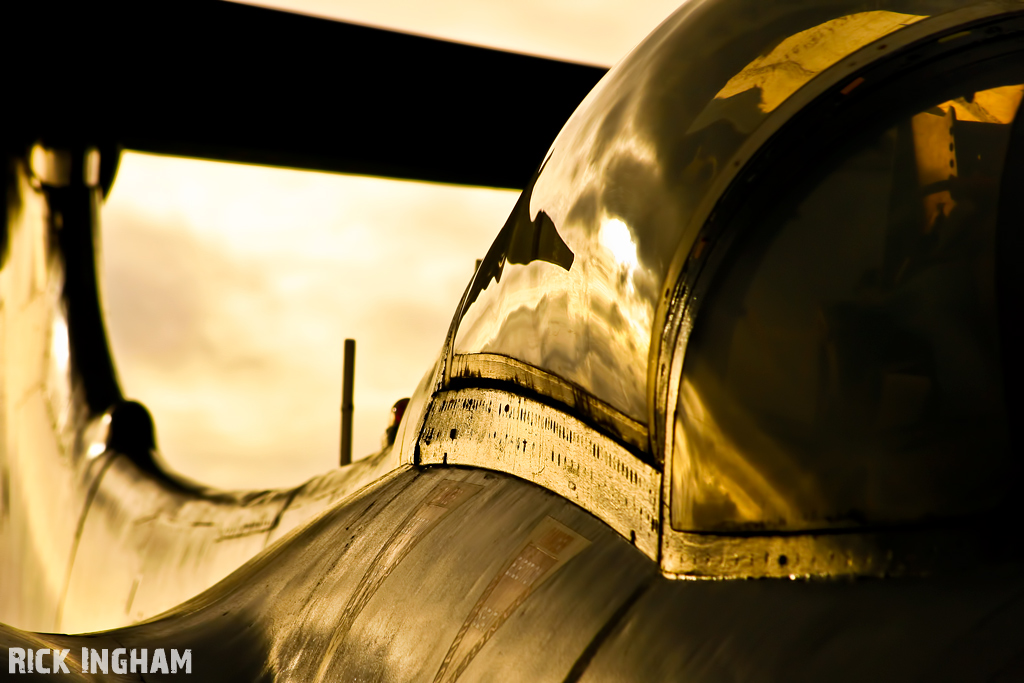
point(617, 239)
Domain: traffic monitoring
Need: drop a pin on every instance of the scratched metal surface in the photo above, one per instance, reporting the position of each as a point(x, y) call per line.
point(453, 574)
point(496, 430)
point(436, 575)
point(171, 544)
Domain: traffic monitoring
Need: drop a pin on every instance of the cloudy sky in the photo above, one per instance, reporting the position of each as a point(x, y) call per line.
point(229, 289)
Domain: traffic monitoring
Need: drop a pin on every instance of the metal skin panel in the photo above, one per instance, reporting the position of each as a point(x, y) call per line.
point(173, 544)
point(324, 492)
point(496, 430)
point(483, 366)
point(952, 629)
point(44, 483)
point(387, 586)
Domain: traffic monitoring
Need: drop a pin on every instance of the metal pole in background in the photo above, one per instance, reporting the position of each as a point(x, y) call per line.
point(348, 374)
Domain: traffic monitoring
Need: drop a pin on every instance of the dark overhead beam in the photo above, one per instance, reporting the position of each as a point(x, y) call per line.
point(227, 81)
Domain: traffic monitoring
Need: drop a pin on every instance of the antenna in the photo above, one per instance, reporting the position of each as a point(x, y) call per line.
point(347, 380)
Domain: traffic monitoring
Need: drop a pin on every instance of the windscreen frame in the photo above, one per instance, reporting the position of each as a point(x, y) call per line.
point(939, 45)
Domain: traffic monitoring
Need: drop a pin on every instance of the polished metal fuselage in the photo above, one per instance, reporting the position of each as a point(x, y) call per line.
point(517, 530)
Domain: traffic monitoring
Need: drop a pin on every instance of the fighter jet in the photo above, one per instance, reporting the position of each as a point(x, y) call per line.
point(732, 396)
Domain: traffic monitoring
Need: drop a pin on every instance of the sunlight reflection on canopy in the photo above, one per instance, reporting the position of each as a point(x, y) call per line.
point(615, 236)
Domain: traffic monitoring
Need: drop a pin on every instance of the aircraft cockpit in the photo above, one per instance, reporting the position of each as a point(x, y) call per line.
point(768, 262)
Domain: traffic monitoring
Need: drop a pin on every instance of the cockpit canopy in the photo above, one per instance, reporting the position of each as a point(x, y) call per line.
point(846, 364)
point(842, 359)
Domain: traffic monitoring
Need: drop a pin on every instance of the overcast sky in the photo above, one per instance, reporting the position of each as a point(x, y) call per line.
point(229, 289)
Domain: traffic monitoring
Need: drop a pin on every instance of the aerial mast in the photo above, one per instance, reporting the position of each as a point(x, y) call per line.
point(347, 381)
